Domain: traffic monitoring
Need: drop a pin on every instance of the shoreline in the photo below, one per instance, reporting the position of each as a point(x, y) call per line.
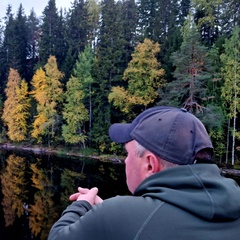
point(44, 150)
point(115, 159)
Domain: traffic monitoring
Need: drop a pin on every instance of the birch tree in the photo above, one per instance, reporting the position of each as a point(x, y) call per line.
point(231, 76)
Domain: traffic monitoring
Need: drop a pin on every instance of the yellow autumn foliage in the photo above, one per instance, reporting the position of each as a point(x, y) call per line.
point(16, 107)
point(144, 75)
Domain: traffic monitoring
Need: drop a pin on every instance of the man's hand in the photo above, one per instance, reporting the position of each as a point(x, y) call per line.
point(89, 195)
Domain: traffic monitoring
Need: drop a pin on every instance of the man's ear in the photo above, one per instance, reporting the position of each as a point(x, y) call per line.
point(152, 164)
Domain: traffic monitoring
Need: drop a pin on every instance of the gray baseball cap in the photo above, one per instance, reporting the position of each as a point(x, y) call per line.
point(172, 133)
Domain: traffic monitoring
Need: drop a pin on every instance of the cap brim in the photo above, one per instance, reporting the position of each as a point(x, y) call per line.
point(120, 133)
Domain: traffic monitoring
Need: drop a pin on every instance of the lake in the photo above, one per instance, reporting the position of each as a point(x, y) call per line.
point(35, 189)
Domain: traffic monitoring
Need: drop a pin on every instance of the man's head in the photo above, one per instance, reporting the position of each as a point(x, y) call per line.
point(168, 133)
point(171, 133)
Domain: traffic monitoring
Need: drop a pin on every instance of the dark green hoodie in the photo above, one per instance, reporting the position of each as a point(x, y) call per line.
point(185, 202)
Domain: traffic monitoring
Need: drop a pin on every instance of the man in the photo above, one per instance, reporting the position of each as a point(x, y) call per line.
point(178, 193)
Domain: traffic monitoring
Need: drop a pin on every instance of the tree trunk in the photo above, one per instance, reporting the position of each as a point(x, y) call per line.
point(228, 131)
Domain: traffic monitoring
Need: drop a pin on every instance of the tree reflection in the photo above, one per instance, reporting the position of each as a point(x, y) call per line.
point(36, 189)
point(70, 180)
point(14, 188)
point(43, 212)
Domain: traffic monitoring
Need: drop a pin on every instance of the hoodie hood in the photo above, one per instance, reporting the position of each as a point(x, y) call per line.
point(199, 189)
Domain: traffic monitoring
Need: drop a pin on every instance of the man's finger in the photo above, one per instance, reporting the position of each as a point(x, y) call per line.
point(74, 196)
point(98, 200)
point(83, 190)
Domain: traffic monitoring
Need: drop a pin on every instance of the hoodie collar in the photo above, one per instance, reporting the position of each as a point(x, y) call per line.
point(199, 189)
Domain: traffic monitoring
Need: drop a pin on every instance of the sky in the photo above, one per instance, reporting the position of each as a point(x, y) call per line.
point(37, 5)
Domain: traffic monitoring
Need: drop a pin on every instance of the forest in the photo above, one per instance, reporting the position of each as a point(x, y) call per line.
point(66, 76)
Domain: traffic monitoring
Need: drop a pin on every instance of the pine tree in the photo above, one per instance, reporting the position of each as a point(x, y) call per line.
point(192, 71)
point(144, 76)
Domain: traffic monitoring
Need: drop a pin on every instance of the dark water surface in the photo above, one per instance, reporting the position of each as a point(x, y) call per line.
point(35, 189)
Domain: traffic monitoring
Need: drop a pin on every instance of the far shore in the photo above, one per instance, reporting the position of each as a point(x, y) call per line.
point(228, 171)
point(45, 150)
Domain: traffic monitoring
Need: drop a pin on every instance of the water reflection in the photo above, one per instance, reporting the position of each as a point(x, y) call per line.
point(14, 188)
point(35, 189)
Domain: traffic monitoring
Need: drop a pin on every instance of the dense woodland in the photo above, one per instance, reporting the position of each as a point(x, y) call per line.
point(67, 75)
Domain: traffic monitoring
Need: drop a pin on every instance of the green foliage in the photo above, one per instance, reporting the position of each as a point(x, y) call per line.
point(161, 21)
point(112, 56)
point(231, 72)
point(83, 71)
point(74, 113)
point(52, 35)
point(192, 73)
point(195, 76)
point(215, 128)
point(208, 19)
point(80, 26)
point(14, 48)
point(231, 76)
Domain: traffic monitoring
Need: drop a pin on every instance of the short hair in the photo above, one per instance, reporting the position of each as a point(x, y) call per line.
point(203, 156)
point(140, 151)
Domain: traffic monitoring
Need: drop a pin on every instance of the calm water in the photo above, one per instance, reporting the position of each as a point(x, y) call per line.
point(35, 189)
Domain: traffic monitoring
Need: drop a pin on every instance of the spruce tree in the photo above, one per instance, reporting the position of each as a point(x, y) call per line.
point(208, 19)
point(109, 67)
point(14, 49)
point(160, 21)
point(230, 16)
point(93, 7)
point(52, 41)
point(78, 30)
point(33, 25)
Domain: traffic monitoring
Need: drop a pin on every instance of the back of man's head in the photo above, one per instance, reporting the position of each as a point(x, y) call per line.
point(173, 134)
